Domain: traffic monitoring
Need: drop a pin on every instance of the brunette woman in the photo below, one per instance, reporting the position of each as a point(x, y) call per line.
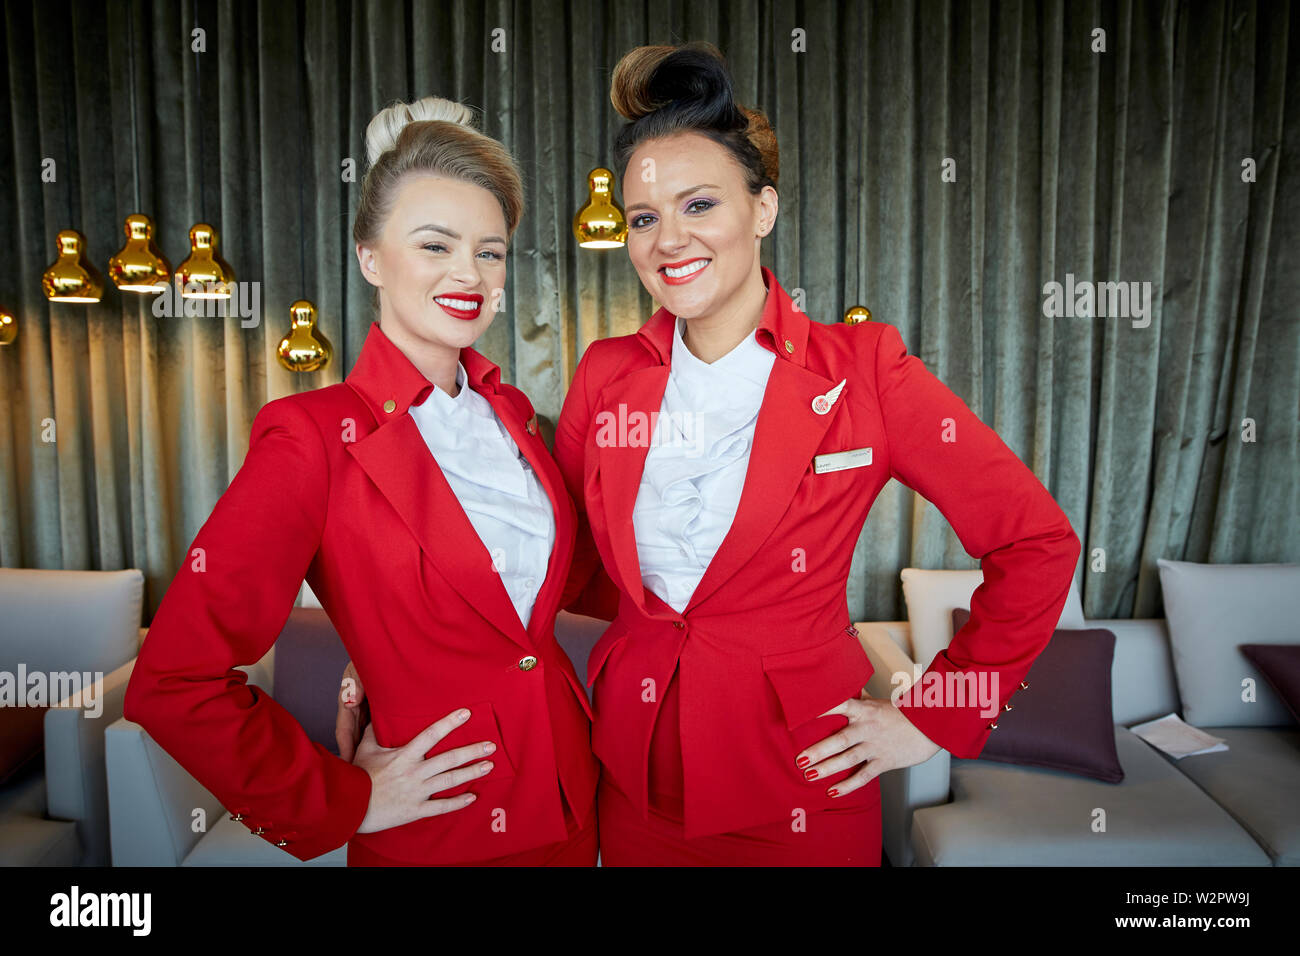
point(731, 723)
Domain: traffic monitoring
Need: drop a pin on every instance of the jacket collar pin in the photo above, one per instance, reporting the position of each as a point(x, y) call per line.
point(823, 403)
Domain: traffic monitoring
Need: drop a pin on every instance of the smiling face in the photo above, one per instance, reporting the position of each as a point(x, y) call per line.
point(694, 231)
point(440, 262)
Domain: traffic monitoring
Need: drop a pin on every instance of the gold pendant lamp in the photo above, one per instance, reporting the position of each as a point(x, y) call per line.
point(203, 274)
point(856, 314)
point(8, 327)
point(305, 348)
point(139, 266)
point(600, 223)
point(71, 277)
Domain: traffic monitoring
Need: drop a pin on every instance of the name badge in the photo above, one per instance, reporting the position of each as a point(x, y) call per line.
point(840, 460)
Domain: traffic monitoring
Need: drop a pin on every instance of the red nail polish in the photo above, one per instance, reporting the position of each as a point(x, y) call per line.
point(810, 774)
point(833, 792)
point(802, 762)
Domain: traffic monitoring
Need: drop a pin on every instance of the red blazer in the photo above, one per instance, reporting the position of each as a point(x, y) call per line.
point(339, 487)
point(766, 643)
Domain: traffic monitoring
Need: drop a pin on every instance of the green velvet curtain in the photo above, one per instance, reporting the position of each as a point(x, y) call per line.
point(941, 163)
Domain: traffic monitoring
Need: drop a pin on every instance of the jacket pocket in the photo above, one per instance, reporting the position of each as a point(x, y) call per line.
point(615, 633)
point(811, 680)
point(397, 730)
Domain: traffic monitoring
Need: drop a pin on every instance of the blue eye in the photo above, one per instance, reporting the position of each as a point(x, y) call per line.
point(434, 247)
point(492, 254)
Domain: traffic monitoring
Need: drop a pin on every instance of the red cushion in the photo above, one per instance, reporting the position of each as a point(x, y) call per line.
point(1063, 720)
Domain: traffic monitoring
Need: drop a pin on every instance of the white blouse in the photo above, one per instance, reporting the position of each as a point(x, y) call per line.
point(695, 467)
point(496, 487)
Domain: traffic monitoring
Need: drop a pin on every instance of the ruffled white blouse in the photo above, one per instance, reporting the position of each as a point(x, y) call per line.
point(695, 467)
point(497, 488)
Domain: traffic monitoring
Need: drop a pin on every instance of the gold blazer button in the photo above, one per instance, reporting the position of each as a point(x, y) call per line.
point(389, 405)
point(527, 663)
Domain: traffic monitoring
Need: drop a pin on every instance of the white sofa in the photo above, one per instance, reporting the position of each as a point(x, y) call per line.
point(1233, 809)
point(56, 813)
point(1239, 808)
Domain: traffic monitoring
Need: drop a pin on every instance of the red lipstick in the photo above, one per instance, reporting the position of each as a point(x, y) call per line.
point(461, 305)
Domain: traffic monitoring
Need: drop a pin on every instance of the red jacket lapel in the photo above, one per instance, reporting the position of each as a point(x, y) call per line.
point(521, 423)
point(623, 434)
point(398, 461)
point(786, 435)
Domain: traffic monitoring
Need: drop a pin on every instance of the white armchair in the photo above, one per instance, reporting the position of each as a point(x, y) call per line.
point(155, 802)
point(60, 622)
point(162, 816)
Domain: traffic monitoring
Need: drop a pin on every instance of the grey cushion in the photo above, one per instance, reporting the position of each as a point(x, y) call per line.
point(1024, 816)
point(1258, 782)
point(1212, 608)
point(931, 595)
point(229, 843)
point(69, 620)
point(1142, 685)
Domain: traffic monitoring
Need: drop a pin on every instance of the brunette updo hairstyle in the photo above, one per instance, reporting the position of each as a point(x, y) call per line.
point(662, 90)
point(431, 135)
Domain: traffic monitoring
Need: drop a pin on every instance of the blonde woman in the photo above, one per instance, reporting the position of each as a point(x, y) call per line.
point(420, 503)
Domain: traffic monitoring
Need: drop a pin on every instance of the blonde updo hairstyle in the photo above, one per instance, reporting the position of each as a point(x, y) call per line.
point(662, 90)
point(431, 135)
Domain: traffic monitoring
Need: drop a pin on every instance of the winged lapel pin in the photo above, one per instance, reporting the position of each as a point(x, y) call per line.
point(823, 403)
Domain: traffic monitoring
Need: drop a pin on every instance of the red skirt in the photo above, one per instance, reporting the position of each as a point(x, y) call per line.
point(848, 837)
point(579, 848)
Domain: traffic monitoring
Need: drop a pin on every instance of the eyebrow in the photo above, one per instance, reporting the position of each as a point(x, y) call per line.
point(451, 233)
point(681, 195)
